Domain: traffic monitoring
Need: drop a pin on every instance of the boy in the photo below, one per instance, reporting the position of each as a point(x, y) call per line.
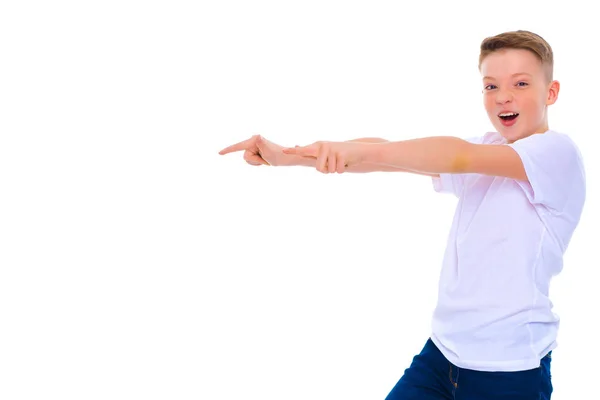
point(521, 191)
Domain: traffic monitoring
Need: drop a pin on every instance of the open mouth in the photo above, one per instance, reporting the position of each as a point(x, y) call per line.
point(508, 118)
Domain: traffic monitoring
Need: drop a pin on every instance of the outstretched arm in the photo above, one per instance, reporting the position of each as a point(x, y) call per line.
point(260, 151)
point(430, 155)
point(369, 167)
point(445, 154)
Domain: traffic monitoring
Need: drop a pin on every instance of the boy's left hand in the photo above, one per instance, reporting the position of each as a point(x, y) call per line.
point(332, 157)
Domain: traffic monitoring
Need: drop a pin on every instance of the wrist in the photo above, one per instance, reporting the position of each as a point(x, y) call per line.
point(296, 160)
point(372, 153)
point(286, 160)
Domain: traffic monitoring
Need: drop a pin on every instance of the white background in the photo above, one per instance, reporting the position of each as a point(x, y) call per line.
point(137, 263)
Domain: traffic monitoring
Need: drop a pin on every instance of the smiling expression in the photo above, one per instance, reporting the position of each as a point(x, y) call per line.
point(517, 93)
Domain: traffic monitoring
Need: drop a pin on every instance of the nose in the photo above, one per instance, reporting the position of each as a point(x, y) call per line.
point(503, 96)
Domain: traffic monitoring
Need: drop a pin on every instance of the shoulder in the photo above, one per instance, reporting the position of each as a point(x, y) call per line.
point(550, 138)
point(538, 153)
point(556, 147)
point(555, 170)
point(564, 140)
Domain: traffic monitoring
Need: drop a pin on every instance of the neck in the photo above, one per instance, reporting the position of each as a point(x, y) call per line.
point(544, 125)
point(543, 128)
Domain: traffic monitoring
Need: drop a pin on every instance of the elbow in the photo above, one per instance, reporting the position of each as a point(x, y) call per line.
point(462, 158)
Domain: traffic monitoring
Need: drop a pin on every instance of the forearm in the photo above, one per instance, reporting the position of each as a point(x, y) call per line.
point(361, 168)
point(369, 140)
point(438, 154)
point(366, 167)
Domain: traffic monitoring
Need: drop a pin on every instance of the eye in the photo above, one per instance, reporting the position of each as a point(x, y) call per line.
point(522, 84)
point(489, 87)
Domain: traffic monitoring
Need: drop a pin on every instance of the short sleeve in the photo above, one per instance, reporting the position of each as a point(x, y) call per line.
point(449, 183)
point(554, 169)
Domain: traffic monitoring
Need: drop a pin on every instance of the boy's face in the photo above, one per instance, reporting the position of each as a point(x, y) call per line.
point(514, 81)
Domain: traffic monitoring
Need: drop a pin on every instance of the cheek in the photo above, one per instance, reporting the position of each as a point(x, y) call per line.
point(533, 105)
point(488, 103)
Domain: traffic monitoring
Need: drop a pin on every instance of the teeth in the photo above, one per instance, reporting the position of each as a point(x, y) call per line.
point(508, 114)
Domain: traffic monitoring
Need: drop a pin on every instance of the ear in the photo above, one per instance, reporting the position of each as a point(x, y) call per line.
point(553, 90)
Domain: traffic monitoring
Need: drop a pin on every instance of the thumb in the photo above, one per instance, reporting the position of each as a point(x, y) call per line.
point(254, 159)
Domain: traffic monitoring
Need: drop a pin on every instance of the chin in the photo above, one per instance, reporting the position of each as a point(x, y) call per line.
point(510, 135)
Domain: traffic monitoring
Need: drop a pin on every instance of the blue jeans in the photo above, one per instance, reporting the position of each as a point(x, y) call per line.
point(432, 377)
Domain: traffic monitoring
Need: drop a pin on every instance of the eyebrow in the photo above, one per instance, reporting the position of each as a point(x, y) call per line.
point(513, 75)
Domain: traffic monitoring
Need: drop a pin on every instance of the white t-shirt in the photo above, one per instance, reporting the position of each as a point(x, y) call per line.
point(506, 242)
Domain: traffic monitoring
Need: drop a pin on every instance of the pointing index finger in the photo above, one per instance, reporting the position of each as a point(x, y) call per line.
point(243, 145)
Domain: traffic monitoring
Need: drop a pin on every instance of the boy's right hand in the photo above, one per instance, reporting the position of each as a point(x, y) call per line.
point(260, 151)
